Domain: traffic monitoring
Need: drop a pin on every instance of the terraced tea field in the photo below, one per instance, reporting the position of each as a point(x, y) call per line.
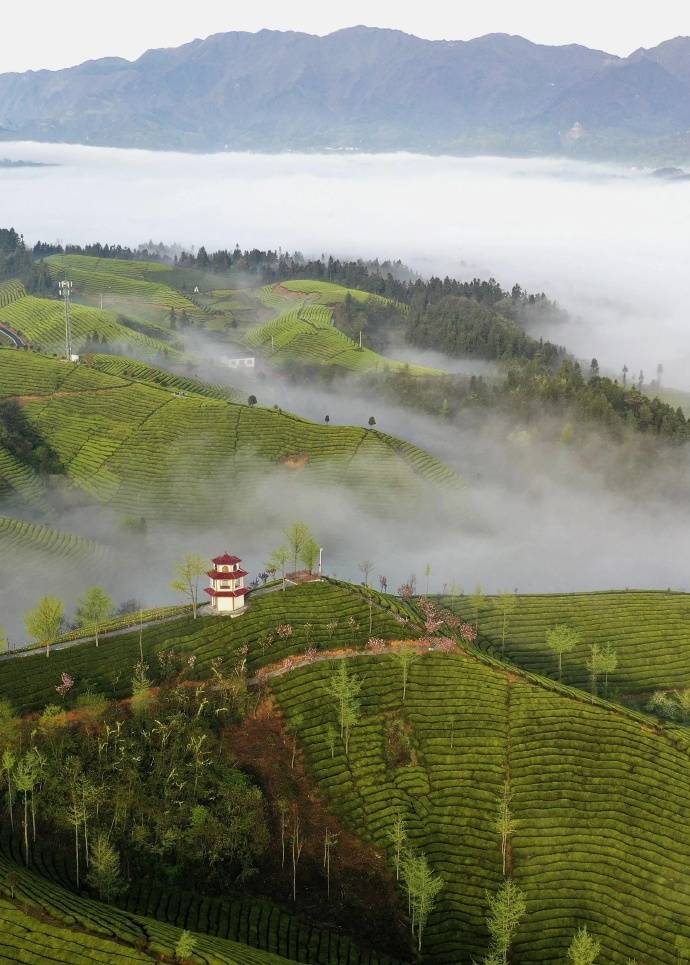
point(147, 449)
point(123, 284)
point(41, 321)
point(20, 480)
point(22, 541)
point(650, 632)
point(29, 682)
point(307, 334)
point(11, 291)
point(600, 801)
point(327, 293)
point(42, 922)
point(142, 372)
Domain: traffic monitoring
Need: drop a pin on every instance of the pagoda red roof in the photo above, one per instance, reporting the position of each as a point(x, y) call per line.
point(231, 575)
point(226, 560)
point(215, 593)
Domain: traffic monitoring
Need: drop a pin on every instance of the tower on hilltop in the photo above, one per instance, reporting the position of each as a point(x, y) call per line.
point(227, 589)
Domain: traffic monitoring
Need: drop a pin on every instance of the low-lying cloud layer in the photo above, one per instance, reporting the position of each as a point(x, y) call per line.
point(536, 516)
point(609, 242)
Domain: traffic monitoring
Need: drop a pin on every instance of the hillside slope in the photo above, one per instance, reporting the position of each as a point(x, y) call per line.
point(307, 334)
point(360, 88)
point(42, 922)
point(648, 630)
point(600, 802)
point(144, 448)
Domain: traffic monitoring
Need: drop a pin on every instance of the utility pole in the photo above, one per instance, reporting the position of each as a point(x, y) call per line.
point(320, 560)
point(360, 338)
point(66, 293)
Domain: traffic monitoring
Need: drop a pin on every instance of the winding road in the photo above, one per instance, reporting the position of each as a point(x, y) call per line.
point(16, 339)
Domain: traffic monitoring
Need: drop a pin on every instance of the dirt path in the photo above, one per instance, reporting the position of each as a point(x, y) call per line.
point(292, 663)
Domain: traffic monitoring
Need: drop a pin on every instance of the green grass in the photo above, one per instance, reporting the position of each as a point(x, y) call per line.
point(650, 632)
point(44, 922)
point(157, 450)
point(41, 321)
point(602, 802)
point(307, 334)
point(29, 682)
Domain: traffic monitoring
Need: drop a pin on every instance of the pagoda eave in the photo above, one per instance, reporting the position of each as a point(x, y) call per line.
point(232, 575)
point(225, 593)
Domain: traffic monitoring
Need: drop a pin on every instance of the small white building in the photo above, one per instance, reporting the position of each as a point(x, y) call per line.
point(227, 589)
point(239, 362)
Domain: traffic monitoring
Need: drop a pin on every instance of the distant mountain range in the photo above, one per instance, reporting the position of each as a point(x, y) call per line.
point(365, 89)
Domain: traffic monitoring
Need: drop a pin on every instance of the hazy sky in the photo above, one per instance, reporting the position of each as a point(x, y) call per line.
point(46, 34)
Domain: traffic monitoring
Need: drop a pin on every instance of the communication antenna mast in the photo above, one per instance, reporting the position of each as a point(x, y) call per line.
point(66, 293)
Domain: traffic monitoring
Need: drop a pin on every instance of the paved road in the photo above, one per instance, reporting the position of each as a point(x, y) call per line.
point(16, 340)
point(68, 644)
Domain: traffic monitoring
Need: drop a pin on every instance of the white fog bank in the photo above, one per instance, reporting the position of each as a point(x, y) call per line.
point(611, 243)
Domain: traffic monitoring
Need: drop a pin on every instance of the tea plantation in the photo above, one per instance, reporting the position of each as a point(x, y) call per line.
point(320, 615)
point(600, 801)
point(307, 334)
point(138, 284)
point(650, 632)
point(20, 541)
point(327, 293)
point(41, 321)
point(42, 922)
point(151, 448)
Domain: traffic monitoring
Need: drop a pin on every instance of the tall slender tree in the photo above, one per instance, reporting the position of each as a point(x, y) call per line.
point(44, 621)
point(507, 603)
point(405, 655)
point(507, 908)
point(562, 639)
point(95, 607)
point(188, 573)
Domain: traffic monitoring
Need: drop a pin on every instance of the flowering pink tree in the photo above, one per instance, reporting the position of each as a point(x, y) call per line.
point(376, 645)
point(284, 631)
point(65, 685)
point(468, 632)
point(311, 654)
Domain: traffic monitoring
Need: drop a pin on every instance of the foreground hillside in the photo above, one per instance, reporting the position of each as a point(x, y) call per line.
point(598, 795)
point(163, 450)
point(43, 922)
point(599, 802)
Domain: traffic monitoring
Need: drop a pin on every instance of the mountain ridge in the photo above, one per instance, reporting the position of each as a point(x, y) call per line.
point(367, 89)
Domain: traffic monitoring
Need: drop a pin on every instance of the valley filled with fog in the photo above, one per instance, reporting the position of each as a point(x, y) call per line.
point(610, 244)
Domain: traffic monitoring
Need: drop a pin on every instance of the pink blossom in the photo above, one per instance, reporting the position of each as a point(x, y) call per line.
point(468, 632)
point(376, 645)
point(311, 654)
point(445, 644)
point(284, 631)
point(65, 685)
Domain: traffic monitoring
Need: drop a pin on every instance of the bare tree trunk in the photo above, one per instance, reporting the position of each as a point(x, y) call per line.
point(76, 849)
point(26, 828)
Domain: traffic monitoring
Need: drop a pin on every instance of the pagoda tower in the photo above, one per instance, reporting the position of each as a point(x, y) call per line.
point(227, 589)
